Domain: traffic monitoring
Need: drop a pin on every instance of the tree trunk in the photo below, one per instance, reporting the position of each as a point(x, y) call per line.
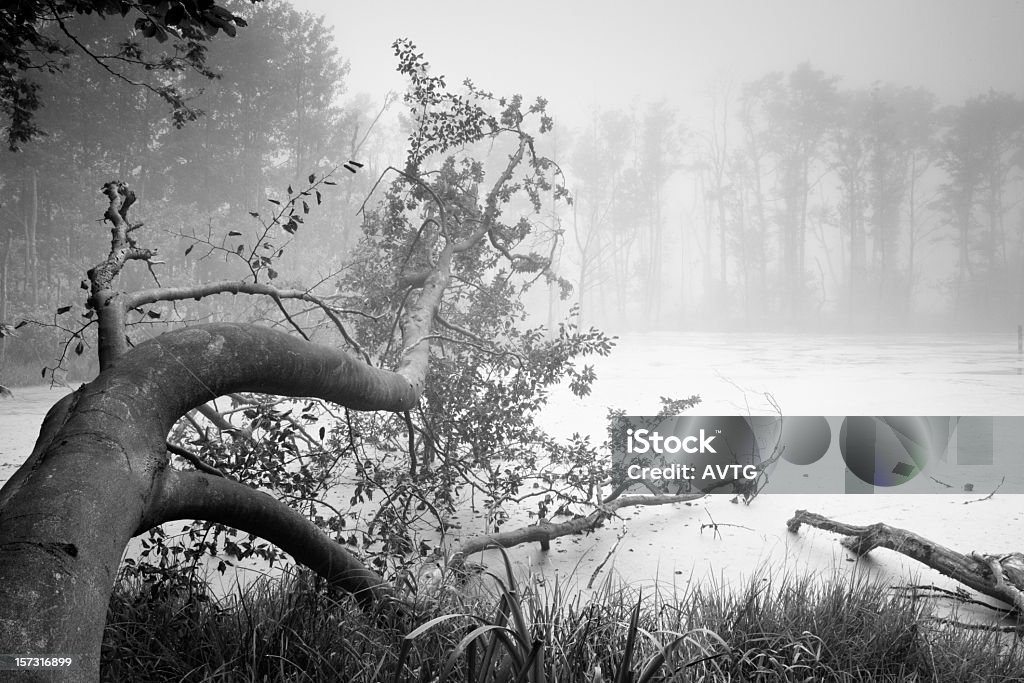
point(30, 219)
point(100, 471)
point(99, 475)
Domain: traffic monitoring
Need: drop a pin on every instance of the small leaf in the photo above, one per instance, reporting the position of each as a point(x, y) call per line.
point(274, 201)
point(21, 324)
point(63, 309)
point(241, 248)
point(189, 249)
point(355, 163)
point(43, 373)
point(79, 347)
point(312, 178)
point(271, 273)
point(153, 314)
point(322, 432)
point(254, 214)
point(318, 198)
point(289, 190)
point(305, 207)
point(233, 233)
point(84, 284)
point(330, 182)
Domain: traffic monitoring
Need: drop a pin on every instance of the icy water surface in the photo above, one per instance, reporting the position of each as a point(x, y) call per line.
point(805, 375)
point(759, 374)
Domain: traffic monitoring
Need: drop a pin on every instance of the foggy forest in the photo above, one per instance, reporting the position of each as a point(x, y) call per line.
point(304, 379)
point(798, 204)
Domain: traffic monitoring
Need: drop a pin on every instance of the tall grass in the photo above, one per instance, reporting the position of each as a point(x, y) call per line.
point(776, 629)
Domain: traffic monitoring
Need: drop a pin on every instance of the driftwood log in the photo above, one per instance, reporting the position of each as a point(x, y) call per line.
point(998, 576)
point(545, 531)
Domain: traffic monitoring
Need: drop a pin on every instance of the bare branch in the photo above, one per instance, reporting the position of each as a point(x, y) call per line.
point(168, 94)
point(196, 461)
point(461, 330)
point(544, 531)
point(197, 292)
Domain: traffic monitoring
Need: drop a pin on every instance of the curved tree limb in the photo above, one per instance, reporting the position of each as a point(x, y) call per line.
point(196, 495)
point(100, 470)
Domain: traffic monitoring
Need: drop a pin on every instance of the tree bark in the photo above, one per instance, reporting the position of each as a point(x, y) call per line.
point(195, 495)
point(99, 475)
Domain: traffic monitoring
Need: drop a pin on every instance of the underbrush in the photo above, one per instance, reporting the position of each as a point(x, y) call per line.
point(780, 629)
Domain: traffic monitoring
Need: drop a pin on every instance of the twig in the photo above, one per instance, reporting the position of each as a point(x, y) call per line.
point(1001, 482)
point(195, 460)
point(977, 627)
point(611, 551)
point(960, 595)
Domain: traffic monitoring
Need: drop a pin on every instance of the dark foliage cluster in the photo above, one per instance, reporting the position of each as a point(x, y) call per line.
point(37, 35)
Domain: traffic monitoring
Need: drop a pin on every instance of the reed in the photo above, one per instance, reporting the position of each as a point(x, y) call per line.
point(504, 628)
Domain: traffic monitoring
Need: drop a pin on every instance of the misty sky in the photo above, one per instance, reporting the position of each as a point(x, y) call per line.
point(595, 53)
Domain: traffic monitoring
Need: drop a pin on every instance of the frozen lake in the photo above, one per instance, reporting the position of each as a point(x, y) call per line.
point(809, 375)
point(755, 374)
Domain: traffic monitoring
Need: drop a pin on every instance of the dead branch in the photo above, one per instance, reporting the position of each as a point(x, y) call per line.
point(990, 495)
point(607, 556)
point(544, 531)
point(999, 577)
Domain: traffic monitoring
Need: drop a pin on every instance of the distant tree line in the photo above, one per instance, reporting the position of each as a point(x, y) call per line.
point(794, 203)
point(802, 204)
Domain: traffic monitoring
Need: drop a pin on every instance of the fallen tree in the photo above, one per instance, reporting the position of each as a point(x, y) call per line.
point(100, 472)
point(998, 576)
point(102, 469)
point(432, 299)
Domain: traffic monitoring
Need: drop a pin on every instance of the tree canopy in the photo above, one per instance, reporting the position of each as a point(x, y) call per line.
point(40, 35)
